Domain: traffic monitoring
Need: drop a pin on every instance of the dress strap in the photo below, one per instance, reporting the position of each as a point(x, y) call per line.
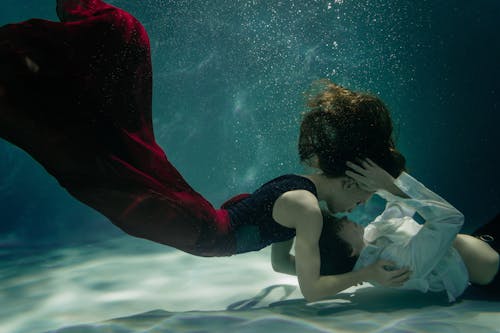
point(234, 200)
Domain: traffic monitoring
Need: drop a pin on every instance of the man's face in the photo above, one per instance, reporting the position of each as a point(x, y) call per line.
point(353, 234)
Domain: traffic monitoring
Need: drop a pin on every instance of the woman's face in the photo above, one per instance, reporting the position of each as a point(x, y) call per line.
point(347, 196)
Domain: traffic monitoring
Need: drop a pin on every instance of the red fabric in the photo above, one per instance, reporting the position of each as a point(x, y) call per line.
point(85, 116)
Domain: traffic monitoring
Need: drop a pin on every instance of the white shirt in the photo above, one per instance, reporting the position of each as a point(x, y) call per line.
point(426, 249)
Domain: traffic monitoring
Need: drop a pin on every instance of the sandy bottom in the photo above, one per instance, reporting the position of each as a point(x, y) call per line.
point(128, 285)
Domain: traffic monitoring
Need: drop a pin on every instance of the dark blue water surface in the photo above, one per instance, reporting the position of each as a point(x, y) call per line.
point(229, 77)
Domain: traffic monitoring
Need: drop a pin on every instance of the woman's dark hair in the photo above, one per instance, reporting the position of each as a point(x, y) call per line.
point(335, 253)
point(342, 126)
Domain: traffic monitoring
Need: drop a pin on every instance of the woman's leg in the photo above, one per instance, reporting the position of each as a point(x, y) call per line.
point(64, 78)
point(75, 10)
point(17, 73)
point(83, 88)
point(3, 102)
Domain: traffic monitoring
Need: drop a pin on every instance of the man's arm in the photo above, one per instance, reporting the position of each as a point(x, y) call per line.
point(442, 224)
point(442, 220)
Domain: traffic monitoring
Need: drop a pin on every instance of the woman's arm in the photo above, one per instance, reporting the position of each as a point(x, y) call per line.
point(373, 178)
point(300, 209)
point(284, 262)
point(281, 259)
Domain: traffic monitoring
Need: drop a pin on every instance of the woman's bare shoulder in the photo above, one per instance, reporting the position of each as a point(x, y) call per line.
point(295, 206)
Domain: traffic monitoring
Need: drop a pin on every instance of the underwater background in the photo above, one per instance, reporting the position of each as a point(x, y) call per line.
point(229, 77)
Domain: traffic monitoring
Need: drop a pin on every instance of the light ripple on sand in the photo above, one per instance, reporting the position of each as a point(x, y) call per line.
point(130, 280)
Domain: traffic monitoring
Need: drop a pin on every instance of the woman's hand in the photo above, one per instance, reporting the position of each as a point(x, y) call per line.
point(381, 272)
point(370, 176)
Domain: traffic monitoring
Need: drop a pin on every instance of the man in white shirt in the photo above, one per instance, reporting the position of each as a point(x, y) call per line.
point(439, 257)
point(426, 249)
point(432, 251)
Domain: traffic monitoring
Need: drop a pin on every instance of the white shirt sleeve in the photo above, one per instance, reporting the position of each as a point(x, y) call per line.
point(442, 222)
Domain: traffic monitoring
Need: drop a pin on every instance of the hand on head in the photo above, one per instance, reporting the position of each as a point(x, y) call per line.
point(369, 175)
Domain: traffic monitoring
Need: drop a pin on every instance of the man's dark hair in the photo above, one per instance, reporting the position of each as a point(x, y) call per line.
point(335, 253)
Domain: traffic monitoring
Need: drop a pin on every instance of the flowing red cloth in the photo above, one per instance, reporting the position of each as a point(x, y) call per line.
point(84, 113)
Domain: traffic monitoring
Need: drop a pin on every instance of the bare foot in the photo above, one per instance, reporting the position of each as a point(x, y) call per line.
point(32, 66)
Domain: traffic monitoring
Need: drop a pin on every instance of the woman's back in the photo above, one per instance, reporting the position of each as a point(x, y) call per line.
point(251, 218)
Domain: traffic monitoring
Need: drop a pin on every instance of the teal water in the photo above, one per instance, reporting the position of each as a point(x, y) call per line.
point(229, 77)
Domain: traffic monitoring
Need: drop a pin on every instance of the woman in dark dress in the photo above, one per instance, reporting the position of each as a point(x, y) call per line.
point(76, 96)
